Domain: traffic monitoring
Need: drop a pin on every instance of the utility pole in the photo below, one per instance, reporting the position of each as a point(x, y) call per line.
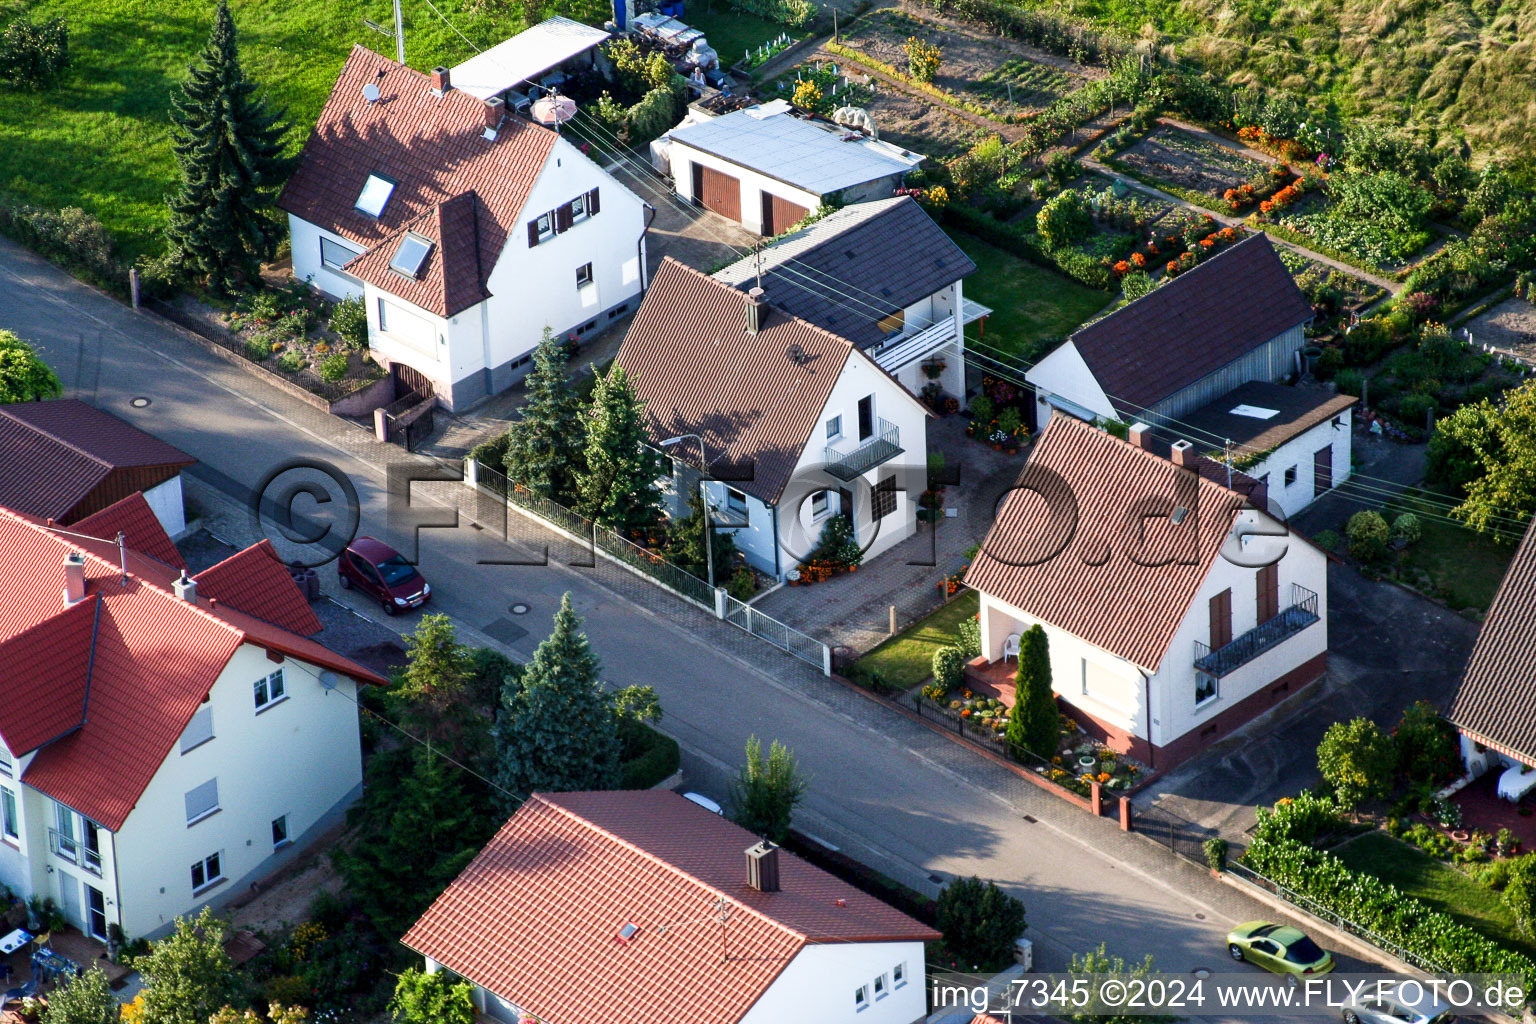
point(399, 35)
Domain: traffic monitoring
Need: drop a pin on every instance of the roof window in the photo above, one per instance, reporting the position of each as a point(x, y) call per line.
point(410, 255)
point(375, 195)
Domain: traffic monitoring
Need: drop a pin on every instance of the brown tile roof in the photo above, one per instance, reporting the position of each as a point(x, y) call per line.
point(1297, 410)
point(1103, 586)
point(432, 147)
point(690, 358)
point(141, 530)
point(450, 277)
point(1496, 700)
point(1192, 326)
point(57, 453)
point(256, 582)
point(534, 918)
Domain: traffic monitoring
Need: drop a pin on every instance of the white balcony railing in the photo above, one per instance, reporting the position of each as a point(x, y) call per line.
point(903, 349)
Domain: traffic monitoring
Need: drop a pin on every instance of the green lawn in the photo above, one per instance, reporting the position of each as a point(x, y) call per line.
point(907, 658)
point(732, 32)
point(99, 141)
point(1435, 883)
point(1032, 307)
point(1464, 566)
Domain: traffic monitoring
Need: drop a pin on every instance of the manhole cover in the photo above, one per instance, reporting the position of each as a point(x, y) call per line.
point(1202, 972)
point(140, 402)
point(518, 609)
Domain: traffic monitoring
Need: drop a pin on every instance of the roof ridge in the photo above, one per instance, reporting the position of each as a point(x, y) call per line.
point(543, 798)
point(56, 438)
point(722, 285)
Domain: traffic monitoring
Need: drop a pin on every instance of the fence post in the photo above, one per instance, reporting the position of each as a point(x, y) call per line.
point(133, 285)
point(381, 424)
point(1095, 797)
point(1125, 814)
point(826, 660)
point(720, 596)
point(471, 472)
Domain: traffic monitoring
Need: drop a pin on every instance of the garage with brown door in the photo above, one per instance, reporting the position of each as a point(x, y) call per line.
point(718, 191)
point(779, 214)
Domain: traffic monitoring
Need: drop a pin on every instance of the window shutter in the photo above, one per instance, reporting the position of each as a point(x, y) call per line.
point(198, 730)
point(592, 202)
point(1268, 585)
point(563, 217)
point(1221, 619)
point(202, 799)
point(533, 233)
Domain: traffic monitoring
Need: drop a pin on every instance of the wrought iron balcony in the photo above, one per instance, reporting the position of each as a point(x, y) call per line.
point(881, 447)
point(74, 851)
point(1229, 657)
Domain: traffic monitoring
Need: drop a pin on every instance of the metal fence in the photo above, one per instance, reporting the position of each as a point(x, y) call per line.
point(785, 638)
point(1177, 833)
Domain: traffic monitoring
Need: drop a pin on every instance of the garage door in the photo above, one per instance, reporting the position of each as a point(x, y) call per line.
point(779, 214)
point(718, 191)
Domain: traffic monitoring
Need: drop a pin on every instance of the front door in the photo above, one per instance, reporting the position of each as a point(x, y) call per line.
point(96, 906)
point(1322, 471)
point(69, 898)
point(866, 417)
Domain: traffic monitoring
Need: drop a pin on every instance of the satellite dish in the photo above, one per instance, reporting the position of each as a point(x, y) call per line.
point(329, 680)
point(371, 92)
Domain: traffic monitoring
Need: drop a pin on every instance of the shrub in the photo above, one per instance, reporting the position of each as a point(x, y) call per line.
point(648, 755)
point(1368, 534)
point(923, 58)
point(1328, 540)
point(743, 584)
point(657, 111)
point(34, 55)
point(968, 636)
point(983, 409)
point(1302, 818)
point(1358, 760)
point(1426, 744)
point(1136, 284)
point(333, 367)
point(1329, 363)
point(258, 349)
point(70, 237)
point(292, 360)
point(1349, 382)
point(349, 318)
point(948, 667)
point(1406, 528)
point(980, 922)
point(807, 95)
point(1064, 219)
point(1216, 853)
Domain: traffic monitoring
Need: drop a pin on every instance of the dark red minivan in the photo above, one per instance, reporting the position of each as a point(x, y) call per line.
point(380, 571)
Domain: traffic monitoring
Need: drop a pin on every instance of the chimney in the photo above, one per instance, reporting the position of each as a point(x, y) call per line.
point(74, 578)
point(757, 310)
point(1141, 435)
point(440, 85)
point(763, 867)
point(495, 107)
point(1183, 454)
point(185, 588)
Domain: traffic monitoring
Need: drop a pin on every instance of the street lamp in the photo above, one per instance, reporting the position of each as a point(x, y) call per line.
point(709, 548)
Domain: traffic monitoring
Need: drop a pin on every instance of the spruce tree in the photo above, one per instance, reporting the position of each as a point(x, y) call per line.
point(229, 147)
point(544, 451)
point(557, 730)
point(617, 481)
point(686, 544)
point(1034, 722)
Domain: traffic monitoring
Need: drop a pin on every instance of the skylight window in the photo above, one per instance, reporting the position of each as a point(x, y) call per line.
point(375, 195)
point(410, 255)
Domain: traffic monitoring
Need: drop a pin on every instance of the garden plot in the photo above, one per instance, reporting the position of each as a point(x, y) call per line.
point(1179, 158)
point(1329, 290)
point(1509, 327)
point(1002, 75)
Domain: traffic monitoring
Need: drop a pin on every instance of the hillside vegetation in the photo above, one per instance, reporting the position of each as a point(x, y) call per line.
point(1446, 66)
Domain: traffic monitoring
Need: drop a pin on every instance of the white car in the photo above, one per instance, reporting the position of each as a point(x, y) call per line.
point(1389, 1006)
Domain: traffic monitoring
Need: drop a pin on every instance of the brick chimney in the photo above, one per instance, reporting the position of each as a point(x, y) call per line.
point(1141, 435)
point(74, 578)
point(757, 310)
point(495, 108)
point(1183, 454)
point(763, 867)
point(440, 83)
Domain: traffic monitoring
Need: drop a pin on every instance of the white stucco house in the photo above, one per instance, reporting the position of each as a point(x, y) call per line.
point(1237, 317)
point(768, 166)
point(164, 740)
point(798, 424)
point(1174, 614)
point(467, 230)
point(692, 918)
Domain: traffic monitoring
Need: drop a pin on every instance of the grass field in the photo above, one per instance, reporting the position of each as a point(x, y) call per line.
point(907, 658)
point(1032, 306)
point(1435, 883)
point(99, 141)
point(1465, 566)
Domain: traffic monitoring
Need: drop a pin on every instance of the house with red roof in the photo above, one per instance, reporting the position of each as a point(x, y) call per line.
point(636, 907)
point(165, 739)
point(1175, 610)
point(467, 229)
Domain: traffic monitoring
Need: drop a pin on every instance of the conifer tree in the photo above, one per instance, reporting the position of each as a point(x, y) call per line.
point(557, 730)
point(686, 544)
point(229, 147)
point(1034, 722)
point(766, 790)
point(617, 481)
point(544, 452)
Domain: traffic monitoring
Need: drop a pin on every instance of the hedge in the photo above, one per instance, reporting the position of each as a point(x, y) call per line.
point(70, 237)
point(1384, 909)
point(658, 756)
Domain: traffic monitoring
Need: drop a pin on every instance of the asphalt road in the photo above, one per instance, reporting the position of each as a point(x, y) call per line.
point(882, 788)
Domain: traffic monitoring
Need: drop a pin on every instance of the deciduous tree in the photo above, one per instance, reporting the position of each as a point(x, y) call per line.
point(422, 998)
point(85, 999)
point(1358, 759)
point(1487, 453)
point(188, 975)
point(24, 377)
point(1102, 1010)
point(544, 453)
point(617, 479)
point(1034, 723)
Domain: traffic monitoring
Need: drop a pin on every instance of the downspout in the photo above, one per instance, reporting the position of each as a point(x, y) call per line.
point(1146, 682)
point(117, 887)
point(774, 518)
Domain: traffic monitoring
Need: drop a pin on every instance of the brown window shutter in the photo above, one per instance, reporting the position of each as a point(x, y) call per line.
point(563, 217)
point(1221, 619)
point(533, 233)
point(592, 202)
point(1268, 584)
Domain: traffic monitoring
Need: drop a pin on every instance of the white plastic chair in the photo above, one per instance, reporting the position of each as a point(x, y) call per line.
point(1011, 647)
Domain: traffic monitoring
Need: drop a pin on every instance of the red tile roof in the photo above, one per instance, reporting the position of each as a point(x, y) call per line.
point(450, 277)
point(535, 916)
point(1093, 587)
point(689, 357)
point(256, 582)
point(141, 530)
point(1497, 694)
point(56, 453)
point(433, 148)
point(151, 658)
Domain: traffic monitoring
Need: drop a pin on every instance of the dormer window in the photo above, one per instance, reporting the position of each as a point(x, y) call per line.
point(375, 195)
point(411, 254)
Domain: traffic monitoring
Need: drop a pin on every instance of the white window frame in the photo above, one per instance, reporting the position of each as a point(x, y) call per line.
point(333, 266)
point(1215, 693)
point(1085, 676)
point(209, 880)
point(287, 840)
point(207, 812)
point(426, 345)
point(579, 209)
point(10, 815)
point(271, 689)
point(1291, 475)
point(545, 226)
point(190, 740)
point(899, 975)
point(835, 427)
point(821, 505)
point(861, 998)
point(7, 767)
point(590, 276)
point(736, 502)
point(882, 986)
point(68, 847)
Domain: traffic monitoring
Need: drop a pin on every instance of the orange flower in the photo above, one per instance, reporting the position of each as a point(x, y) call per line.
point(1266, 206)
point(1206, 242)
point(1139, 259)
point(1121, 267)
point(1173, 267)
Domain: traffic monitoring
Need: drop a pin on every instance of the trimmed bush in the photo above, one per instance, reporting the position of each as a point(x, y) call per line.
point(1407, 528)
point(349, 318)
point(333, 367)
point(1216, 853)
point(1368, 534)
point(948, 667)
point(649, 756)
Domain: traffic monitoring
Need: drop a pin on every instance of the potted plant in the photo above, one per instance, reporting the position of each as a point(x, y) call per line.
point(793, 576)
point(1507, 843)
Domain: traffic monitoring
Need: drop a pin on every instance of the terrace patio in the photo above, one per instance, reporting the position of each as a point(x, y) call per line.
point(1482, 809)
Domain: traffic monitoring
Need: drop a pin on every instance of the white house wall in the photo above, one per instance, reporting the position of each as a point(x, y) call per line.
point(818, 986)
point(1287, 500)
point(304, 243)
point(1064, 373)
point(165, 501)
point(299, 757)
point(753, 184)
